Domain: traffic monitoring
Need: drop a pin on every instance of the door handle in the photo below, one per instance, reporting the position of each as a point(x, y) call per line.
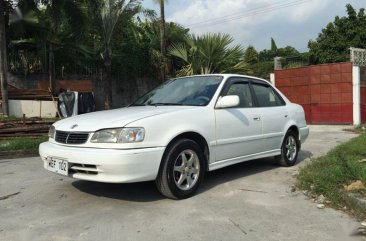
point(257, 118)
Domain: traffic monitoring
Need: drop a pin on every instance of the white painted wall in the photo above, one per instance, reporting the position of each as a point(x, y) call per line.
point(32, 108)
point(356, 95)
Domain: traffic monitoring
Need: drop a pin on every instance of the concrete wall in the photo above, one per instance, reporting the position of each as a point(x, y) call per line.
point(125, 90)
point(32, 108)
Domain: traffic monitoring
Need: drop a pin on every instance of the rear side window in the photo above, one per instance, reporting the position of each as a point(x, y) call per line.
point(267, 96)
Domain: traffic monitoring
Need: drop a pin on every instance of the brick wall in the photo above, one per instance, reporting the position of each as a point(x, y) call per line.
point(324, 91)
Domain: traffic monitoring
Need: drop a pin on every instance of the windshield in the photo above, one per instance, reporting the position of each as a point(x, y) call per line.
point(196, 91)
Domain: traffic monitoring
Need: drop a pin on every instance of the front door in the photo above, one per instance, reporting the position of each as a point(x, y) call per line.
point(238, 129)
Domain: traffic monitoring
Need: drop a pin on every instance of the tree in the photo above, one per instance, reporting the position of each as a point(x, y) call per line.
point(288, 51)
point(54, 24)
point(334, 41)
point(210, 53)
point(64, 21)
point(111, 12)
point(4, 7)
point(251, 55)
point(162, 38)
point(273, 46)
point(174, 33)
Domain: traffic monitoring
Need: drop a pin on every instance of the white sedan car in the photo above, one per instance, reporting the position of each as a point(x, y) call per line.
point(177, 132)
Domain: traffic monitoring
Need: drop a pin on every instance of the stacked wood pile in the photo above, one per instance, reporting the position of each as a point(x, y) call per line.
point(15, 93)
point(32, 127)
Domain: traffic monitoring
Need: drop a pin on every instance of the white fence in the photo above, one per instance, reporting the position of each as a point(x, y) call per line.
point(358, 56)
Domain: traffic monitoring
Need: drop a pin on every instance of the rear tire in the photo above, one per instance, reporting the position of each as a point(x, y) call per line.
point(289, 150)
point(181, 170)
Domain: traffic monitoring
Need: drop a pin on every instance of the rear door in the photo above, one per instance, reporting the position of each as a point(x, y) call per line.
point(238, 129)
point(273, 112)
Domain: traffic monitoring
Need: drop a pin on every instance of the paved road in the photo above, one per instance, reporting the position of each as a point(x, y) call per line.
point(250, 201)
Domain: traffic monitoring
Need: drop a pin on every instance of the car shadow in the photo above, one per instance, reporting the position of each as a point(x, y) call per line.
point(147, 192)
point(237, 171)
point(137, 192)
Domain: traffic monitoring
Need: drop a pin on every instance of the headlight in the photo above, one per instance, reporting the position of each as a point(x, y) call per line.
point(132, 135)
point(51, 132)
point(120, 135)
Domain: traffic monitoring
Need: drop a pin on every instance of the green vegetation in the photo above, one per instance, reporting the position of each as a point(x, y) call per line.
point(41, 35)
point(13, 118)
point(358, 129)
point(21, 144)
point(329, 174)
point(334, 41)
point(209, 53)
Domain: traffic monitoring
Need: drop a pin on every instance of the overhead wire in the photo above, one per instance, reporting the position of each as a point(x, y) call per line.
point(249, 13)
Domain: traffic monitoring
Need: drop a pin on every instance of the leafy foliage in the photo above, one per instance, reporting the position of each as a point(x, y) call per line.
point(273, 45)
point(334, 41)
point(111, 12)
point(150, 34)
point(251, 55)
point(209, 53)
point(261, 64)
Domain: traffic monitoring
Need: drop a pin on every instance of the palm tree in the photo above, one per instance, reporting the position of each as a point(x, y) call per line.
point(4, 5)
point(174, 33)
point(162, 38)
point(111, 12)
point(64, 20)
point(210, 53)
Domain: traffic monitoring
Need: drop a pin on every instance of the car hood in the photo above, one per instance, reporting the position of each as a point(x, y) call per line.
point(113, 118)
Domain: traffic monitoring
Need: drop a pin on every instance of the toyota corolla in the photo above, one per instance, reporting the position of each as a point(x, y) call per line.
point(177, 132)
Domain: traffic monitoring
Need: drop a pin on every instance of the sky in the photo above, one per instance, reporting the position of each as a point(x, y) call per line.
point(254, 22)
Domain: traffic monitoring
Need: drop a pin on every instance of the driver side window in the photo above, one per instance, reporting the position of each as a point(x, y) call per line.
point(243, 91)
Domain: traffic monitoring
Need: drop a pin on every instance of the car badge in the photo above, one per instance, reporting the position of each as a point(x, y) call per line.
point(74, 126)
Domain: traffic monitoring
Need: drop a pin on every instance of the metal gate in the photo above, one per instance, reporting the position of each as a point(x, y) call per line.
point(324, 91)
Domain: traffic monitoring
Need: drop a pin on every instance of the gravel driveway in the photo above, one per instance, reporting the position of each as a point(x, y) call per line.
point(248, 201)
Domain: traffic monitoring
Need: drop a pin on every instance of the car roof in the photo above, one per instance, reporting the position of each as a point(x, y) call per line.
point(226, 76)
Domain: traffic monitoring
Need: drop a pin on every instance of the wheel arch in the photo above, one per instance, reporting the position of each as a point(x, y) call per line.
point(295, 129)
point(196, 137)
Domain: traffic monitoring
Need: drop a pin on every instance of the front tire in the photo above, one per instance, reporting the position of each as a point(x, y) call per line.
point(182, 169)
point(289, 150)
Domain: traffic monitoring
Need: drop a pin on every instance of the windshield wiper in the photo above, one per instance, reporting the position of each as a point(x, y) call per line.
point(161, 103)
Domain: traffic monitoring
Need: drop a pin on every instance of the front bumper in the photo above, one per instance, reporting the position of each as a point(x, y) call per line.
point(106, 165)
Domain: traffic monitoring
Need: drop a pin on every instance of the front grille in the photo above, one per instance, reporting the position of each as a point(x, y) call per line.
point(71, 137)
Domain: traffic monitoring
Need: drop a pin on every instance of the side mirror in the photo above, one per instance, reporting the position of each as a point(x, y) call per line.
point(227, 101)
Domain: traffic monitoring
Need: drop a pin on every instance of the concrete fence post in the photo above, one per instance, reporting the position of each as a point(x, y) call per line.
point(278, 63)
point(356, 95)
point(272, 78)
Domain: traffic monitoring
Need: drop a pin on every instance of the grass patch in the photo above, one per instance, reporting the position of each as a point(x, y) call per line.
point(341, 166)
point(13, 118)
point(358, 129)
point(9, 118)
point(21, 144)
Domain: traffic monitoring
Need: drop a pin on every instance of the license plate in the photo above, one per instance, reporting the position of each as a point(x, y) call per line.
point(57, 166)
